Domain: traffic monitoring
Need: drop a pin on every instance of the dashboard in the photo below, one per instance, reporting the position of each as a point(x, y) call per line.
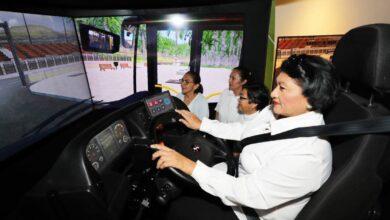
point(102, 148)
point(105, 146)
point(106, 170)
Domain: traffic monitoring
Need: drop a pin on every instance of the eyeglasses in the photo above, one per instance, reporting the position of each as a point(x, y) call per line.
point(185, 82)
point(242, 98)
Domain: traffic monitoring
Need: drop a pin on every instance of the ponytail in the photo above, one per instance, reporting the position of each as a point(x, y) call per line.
point(199, 89)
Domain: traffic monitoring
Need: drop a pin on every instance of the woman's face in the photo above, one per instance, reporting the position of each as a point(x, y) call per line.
point(287, 97)
point(187, 84)
point(235, 82)
point(243, 104)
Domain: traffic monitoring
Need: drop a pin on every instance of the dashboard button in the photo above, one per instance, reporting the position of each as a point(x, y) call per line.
point(167, 101)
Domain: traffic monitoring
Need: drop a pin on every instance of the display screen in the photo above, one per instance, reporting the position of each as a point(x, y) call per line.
point(100, 41)
point(49, 89)
point(107, 141)
point(159, 104)
point(106, 70)
point(96, 40)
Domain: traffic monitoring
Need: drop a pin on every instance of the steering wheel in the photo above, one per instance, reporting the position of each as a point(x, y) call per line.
point(196, 145)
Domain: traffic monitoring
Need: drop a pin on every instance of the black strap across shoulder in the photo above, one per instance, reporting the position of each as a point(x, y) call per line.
point(366, 126)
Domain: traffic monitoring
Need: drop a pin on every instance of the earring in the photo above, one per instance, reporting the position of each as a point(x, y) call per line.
point(308, 106)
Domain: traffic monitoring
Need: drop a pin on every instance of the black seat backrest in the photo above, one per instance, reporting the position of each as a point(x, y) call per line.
point(362, 62)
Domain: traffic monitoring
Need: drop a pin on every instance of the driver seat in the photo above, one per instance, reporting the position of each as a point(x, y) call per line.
point(362, 61)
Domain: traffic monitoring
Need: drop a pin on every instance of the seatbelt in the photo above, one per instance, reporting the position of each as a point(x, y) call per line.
point(366, 126)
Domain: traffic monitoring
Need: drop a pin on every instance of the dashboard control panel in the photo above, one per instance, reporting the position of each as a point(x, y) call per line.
point(159, 104)
point(105, 145)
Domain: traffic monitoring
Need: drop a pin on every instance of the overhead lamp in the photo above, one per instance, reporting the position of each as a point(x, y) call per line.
point(177, 20)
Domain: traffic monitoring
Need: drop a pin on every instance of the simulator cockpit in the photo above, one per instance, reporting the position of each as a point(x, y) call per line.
point(87, 88)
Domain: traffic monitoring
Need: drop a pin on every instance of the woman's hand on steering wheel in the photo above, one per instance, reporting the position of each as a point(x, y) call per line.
point(189, 119)
point(168, 157)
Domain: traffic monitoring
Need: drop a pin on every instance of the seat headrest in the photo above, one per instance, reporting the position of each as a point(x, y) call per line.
point(363, 56)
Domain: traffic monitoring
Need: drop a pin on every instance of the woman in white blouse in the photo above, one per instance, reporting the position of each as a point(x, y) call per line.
point(226, 109)
point(191, 95)
point(274, 173)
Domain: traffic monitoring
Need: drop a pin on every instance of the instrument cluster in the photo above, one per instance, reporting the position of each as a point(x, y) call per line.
point(106, 145)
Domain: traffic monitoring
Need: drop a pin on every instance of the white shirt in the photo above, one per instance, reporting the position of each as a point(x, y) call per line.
point(227, 107)
point(270, 173)
point(199, 105)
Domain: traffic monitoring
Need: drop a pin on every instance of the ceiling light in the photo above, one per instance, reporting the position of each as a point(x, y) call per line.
point(177, 20)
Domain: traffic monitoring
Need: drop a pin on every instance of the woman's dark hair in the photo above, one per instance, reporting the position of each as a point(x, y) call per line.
point(196, 79)
point(244, 73)
point(258, 94)
point(317, 78)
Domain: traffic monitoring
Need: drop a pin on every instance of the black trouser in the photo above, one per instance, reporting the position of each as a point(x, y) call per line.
point(199, 205)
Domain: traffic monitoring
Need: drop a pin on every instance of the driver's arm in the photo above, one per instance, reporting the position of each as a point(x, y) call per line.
point(230, 131)
point(285, 178)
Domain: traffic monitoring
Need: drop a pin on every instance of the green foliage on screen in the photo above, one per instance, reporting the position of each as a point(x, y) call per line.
point(221, 48)
point(111, 24)
point(142, 39)
point(224, 43)
point(168, 46)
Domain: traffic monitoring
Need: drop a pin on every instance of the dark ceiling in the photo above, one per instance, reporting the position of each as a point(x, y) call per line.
point(108, 4)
